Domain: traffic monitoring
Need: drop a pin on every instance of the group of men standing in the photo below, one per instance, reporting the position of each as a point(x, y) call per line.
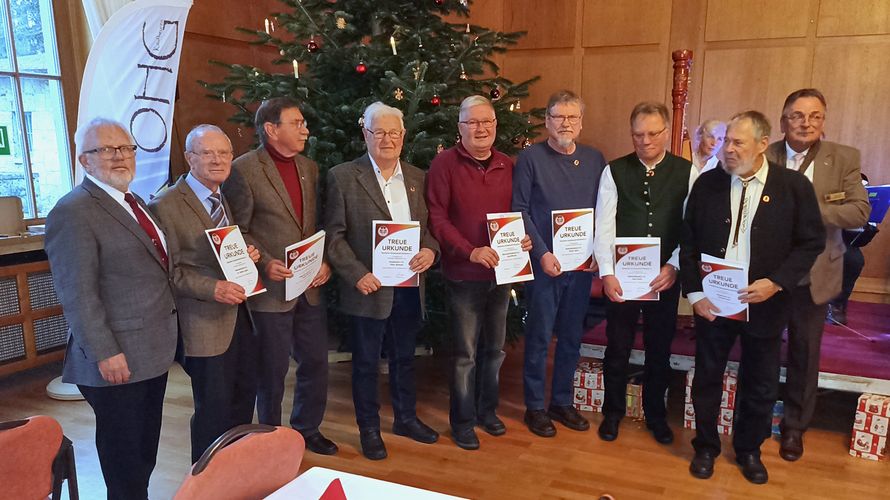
point(135, 280)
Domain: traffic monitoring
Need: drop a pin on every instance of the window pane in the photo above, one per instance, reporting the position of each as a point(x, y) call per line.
point(50, 161)
point(5, 59)
point(13, 174)
point(35, 43)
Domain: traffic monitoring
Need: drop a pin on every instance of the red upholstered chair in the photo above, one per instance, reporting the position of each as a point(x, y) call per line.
point(247, 462)
point(35, 459)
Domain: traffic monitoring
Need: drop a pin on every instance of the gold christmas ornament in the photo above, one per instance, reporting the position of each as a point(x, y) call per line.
point(341, 23)
point(399, 94)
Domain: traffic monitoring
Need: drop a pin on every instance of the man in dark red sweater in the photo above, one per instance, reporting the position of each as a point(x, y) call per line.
point(464, 184)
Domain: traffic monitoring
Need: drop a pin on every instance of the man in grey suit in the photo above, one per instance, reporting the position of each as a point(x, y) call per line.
point(112, 274)
point(273, 195)
point(378, 186)
point(833, 169)
point(218, 342)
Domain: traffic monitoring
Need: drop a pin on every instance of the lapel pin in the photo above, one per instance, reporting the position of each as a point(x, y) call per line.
point(412, 189)
point(577, 162)
point(766, 198)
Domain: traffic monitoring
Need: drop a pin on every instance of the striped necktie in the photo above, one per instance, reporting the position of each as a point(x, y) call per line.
point(217, 212)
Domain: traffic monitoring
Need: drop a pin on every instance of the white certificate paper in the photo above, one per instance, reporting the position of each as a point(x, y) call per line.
point(721, 281)
point(395, 244)
point(636, 265)
point(304, 259)
point(231, 253)
point(573, 238)
point(505, 232)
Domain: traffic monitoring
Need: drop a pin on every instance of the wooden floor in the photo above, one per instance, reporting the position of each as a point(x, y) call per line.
point(516, 465)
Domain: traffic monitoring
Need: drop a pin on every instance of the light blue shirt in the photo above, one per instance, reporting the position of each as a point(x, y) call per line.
point(200, 191)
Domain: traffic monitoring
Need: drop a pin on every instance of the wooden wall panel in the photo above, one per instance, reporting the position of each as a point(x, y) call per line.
point(614, 82)
point(757, 19)
point(864, 17)
point(742, 79)
point(608, 23)
point(550, 25)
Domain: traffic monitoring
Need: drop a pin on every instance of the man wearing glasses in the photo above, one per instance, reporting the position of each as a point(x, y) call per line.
point(556, 174)
point(273, 191)
point(219, 347)
point(378, 186)
point(642, 195)
point(114, 277)
point(833, 169)
point(465, 184)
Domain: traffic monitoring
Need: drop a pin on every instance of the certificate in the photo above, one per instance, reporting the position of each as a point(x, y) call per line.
point(573, 238)
point(505, 232)
point(636, 265)
point(395, 244)
point(304, 259)
point(231, 253)
point(721, 281)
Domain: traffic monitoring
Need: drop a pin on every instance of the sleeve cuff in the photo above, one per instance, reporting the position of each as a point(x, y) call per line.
point(694, 297)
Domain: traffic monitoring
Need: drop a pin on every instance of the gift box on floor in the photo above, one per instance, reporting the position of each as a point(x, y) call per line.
point(634, 397)
point(727, 401)
point(869, 438)
point(589, 389)
point(778, 415)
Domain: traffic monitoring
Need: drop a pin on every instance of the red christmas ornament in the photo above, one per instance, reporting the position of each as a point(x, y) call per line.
point(361, 68)
point(440, 2)
point(311, 45)
point(436, 100)
point(495, 93)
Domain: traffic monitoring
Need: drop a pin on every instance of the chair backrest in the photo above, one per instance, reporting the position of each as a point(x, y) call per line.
point(28, 447)
point(248, 461)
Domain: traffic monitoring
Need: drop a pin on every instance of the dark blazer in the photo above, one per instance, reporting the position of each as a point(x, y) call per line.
point(265, 214)
point(836, 171)
point(206, 326)
point(354, 199)
point(115, 293)
point(786, 236)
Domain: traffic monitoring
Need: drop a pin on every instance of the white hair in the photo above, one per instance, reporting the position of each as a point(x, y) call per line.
point(96, 123)
point(473, 100)
point(198, 131)
point(378, 109)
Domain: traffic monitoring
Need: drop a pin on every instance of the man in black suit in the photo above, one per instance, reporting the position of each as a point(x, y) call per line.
point(766, 216)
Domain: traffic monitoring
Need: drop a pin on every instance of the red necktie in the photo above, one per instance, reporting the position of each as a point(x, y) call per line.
point(147, 226)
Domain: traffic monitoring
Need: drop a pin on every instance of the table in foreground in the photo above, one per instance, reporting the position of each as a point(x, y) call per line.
point(310, 485)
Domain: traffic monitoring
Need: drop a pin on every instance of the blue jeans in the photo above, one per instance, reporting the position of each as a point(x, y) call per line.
point(479, 327)
point(556, 306)
point(398, 334)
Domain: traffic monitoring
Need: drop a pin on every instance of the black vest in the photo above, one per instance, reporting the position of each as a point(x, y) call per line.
point(651, 206)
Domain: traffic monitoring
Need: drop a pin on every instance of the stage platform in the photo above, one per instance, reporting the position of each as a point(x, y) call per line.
point(855, 358)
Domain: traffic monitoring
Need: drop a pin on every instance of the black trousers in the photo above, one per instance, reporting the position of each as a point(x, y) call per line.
point(757, 388)
point(659, 327)
point(302, 333)
point(223, 387)
point(128, 427)
point(804, 350)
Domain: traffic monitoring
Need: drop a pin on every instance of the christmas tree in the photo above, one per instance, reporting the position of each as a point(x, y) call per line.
point(338, 56)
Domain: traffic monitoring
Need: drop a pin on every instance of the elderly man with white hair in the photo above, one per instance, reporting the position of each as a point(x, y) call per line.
point(378, 186)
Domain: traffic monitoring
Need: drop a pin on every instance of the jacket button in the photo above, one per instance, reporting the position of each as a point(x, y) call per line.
point(723, 251)
point(173, 311)
point(727, 221)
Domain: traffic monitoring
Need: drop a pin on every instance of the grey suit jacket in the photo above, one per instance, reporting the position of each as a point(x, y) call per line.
point(354, 199)
point(115, 293)
point(836, 170)
point(206, 326)
point(266, 216)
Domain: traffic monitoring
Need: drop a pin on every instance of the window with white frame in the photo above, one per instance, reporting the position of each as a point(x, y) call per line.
point(34, 153)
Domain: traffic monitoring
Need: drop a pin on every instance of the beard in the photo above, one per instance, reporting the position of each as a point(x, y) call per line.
point(565, 142)
point(118, 180)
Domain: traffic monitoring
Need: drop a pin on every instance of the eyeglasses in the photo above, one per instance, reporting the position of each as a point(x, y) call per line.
point(208, 155)
point(639, 136)
point(392, 134)
point(298, 124)
point(797, 118)
point(572, 119)
point(107, 152)
point(479, 123)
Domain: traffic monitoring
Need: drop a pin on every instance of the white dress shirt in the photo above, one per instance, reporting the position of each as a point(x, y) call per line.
point(394, 192)
point(118, 196)
point(740, 250)
point(708, 165)
point(794, 161)
point(605, 227)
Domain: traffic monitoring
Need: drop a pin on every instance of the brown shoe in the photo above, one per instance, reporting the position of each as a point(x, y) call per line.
point(791, 448)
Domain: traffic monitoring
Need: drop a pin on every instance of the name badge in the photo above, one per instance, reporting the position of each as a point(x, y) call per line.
point(836, 196)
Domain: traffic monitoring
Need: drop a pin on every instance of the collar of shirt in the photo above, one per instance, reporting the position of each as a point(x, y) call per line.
point(760, 175)
point(200, 191)
point(789, 154)
point(397, 173)
point(657, 162)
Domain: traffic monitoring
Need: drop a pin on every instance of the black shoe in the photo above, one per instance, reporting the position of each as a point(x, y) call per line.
point(569, 417)
point(702, 465)
point(416, 430)
point(791, 447)
point(317, 443)
point(661, 432)
point(752, 468)
point(492, 425)
point(465, 439)
point(608, 430)
point(372, 444)
point(539, 423)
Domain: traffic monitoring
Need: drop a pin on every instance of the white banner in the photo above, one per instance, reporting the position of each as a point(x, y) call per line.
point(131, 75)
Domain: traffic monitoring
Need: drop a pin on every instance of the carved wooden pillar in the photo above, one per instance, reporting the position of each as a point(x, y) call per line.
point(679, 96)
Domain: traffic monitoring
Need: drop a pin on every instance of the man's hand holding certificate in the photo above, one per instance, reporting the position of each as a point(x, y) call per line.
point(506, 232)
point(637, 267)
point(304, 259)
point(723, 282)
point(234, 259)
point(396, 252)
point(573, 238)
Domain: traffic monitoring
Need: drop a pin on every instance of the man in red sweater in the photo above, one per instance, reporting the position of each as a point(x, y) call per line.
point(464, 184)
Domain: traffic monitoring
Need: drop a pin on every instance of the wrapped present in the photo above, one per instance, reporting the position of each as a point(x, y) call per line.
point(634, 401)
point(589, 389)
point(727, 401)
point(778, 415)
point(870, 426)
